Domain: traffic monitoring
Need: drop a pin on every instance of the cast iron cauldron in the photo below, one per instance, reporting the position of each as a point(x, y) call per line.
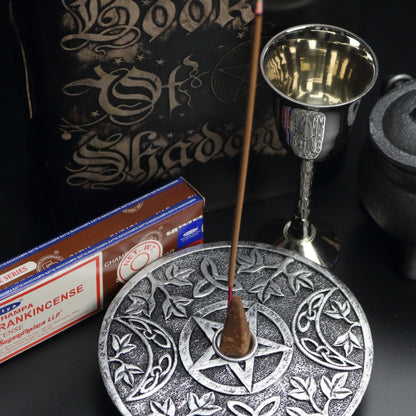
point(387, 166)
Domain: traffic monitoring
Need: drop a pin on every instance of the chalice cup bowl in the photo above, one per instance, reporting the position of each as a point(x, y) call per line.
point(319, 74)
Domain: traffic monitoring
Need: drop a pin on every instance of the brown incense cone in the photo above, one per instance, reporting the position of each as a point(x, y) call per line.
point(236, 337)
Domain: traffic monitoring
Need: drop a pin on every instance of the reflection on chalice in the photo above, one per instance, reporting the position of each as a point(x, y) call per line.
point(319, 74)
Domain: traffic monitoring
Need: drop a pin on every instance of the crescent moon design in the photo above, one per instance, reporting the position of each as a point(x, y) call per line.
point(162, 356)
point(309, 337)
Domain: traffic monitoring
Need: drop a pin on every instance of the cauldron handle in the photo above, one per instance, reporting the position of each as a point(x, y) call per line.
point(394, 81)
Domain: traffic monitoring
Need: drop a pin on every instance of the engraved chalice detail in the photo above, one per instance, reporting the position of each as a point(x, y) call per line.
point(319, 74)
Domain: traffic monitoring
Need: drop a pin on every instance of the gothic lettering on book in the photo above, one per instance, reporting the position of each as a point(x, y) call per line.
point(103, 162)
point(137, 108)
point(119, 24)
point(127, 96)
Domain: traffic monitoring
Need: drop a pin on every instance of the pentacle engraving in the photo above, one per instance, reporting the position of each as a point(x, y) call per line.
point(134, 108)
point(202, 363)
point(312, 338)
point(312, 348)
point(230, 77)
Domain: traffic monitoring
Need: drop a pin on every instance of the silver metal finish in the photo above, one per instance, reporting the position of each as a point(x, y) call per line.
point(248, 355)
point(157, 345)
point(319, 74)
point(307, 129)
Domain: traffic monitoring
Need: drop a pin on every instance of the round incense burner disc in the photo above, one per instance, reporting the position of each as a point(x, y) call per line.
point(313, 349)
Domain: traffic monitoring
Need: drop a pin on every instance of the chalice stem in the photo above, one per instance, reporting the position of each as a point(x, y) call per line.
point(300, 227)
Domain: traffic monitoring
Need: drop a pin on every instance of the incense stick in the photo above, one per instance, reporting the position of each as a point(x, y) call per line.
point(254, 63)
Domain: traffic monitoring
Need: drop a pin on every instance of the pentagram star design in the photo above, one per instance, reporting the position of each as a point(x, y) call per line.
point(243, 371)
point(184, 371)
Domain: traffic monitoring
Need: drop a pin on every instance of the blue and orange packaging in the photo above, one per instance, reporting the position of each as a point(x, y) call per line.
point(65, 280)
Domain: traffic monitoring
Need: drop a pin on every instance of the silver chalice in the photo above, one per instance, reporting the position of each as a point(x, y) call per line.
point(319, 74)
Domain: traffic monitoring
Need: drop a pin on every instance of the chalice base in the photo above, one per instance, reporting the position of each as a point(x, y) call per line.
point(321, 246)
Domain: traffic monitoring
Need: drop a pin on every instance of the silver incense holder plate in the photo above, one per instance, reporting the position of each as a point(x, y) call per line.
point(157, 347)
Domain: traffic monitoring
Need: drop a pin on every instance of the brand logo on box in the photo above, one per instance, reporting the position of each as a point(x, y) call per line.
point(138, 257)
point(190, 233)
point(48, 261)
point(8, 308)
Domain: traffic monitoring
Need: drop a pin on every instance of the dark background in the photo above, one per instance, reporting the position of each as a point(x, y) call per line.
point(61, 376)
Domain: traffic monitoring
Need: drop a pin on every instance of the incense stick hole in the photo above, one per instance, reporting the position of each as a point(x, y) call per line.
point(250, 353)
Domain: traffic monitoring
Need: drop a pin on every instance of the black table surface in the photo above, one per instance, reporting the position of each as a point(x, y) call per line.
point(61, 376)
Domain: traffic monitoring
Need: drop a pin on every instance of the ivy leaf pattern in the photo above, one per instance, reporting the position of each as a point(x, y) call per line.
point(298, 279)
point(178, 277)
point(267, 408)
point(348, 342)
point(175, 305)
point(339, 310)
point(334, 389)
point(145, 303)
point(122, 345)
point(266, 290)
point(303, 389)
point(315, 393)
point(126, 373)
point(252, 262)
point(306, 390)
point(140, 304)
point(166, 409)
point(202, 406)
